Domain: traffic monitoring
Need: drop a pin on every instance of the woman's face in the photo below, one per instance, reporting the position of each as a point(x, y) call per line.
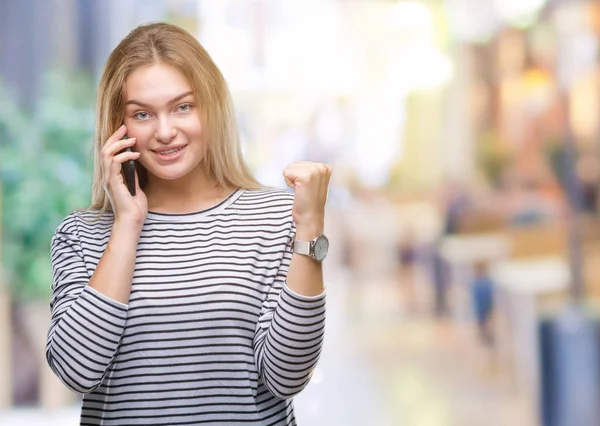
point(162, 114)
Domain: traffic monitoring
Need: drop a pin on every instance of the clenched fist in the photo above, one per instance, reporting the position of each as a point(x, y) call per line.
point(310, 182)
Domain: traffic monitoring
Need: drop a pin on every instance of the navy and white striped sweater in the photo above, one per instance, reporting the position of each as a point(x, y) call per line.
point(211, 333)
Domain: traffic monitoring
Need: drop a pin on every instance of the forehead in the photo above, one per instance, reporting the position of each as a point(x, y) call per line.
point(155, 84)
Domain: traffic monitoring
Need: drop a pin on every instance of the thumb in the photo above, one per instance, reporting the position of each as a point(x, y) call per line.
point(290, 178)
point(289, 182)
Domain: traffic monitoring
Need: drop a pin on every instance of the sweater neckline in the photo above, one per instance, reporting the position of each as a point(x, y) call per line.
point(217, 208)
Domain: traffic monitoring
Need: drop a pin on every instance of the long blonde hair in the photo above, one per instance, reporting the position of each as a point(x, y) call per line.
point(167, 44)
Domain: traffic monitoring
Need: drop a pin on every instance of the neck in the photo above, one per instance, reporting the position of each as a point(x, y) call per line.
point(191, 193)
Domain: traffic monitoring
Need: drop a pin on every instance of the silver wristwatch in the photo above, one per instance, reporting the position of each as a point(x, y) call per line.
point(317, 248)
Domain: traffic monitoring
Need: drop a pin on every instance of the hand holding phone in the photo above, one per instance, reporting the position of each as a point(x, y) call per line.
point(128, 168)
point(118, 172)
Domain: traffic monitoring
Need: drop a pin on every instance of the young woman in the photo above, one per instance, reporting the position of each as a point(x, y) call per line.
point(199, 300)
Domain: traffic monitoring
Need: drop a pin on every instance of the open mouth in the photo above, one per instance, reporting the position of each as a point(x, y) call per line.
point(169, 154)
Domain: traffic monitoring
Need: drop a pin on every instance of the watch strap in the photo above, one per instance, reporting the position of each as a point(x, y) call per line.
point(302, 247)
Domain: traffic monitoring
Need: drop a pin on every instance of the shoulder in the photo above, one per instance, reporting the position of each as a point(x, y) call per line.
point(270, 198)
point(85, 221)
point(266, 206)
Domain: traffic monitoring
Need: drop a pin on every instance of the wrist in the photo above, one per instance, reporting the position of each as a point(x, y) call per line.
point(308, 232)
point(125, 227)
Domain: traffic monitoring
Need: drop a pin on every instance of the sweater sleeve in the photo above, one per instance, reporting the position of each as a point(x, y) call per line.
point(86, 326)
point(289, 335)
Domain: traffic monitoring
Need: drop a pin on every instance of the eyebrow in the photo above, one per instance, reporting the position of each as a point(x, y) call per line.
point(172, 101)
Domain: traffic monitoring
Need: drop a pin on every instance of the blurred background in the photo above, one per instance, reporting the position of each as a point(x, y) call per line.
point(464, 272)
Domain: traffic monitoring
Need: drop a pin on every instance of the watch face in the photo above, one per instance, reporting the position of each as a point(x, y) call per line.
point(321, 248)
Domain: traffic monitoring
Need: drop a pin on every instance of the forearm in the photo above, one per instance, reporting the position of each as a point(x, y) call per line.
point(114, 273)
point(89, 314)
point(84, 338)
point(295, 334)
point(292, 346)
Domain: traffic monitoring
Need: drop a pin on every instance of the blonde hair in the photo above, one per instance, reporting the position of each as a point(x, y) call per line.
point(170, 45)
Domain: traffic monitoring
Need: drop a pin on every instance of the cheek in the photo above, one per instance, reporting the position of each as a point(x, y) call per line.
point(192, 127)
point(143, 134)
point(145, 157)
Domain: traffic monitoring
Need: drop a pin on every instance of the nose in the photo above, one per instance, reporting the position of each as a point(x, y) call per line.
point(165, 131)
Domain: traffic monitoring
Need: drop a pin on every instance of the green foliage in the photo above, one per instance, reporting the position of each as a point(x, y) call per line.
point(45, 172)
point(493, 156)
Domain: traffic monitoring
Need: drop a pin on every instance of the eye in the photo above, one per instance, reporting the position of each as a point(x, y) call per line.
point(184, 107)
point(142, 115)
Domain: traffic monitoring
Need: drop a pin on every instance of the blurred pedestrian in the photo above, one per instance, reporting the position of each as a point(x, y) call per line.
point(482, 295)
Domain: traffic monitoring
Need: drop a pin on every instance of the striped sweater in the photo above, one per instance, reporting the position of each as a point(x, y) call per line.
point(211, 333)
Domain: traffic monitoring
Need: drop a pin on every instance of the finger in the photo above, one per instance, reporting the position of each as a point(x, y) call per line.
point(324, 193)
point(296, 175)
point(326, 173)
point(115, 166)
point(289, 181)
point(114, 149)
point(116, 163)
point(327, 180)
point(120, 145)
point(118, 134)
point(125, 156)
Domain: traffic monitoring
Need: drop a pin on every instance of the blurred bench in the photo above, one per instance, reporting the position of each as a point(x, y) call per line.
point(530, 268)
point(535, 275)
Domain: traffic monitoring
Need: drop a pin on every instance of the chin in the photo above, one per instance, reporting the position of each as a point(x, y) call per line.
point(169, 176)
point(170, 172)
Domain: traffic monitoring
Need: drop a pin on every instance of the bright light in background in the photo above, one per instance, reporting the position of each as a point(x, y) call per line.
point(413, 63)
point(230, 46)
point(371, 54)
point(313, 54)
point(420, 67)
point(519, 12)
point(379, 144)
point(416, 62)
point(304, 49)
point(471, 20)
point(411, 15)
point(477, 20)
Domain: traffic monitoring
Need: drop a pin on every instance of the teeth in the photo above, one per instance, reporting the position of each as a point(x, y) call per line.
point(171, 151)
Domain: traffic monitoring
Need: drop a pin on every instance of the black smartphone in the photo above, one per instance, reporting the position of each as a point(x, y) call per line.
point(128, 168)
